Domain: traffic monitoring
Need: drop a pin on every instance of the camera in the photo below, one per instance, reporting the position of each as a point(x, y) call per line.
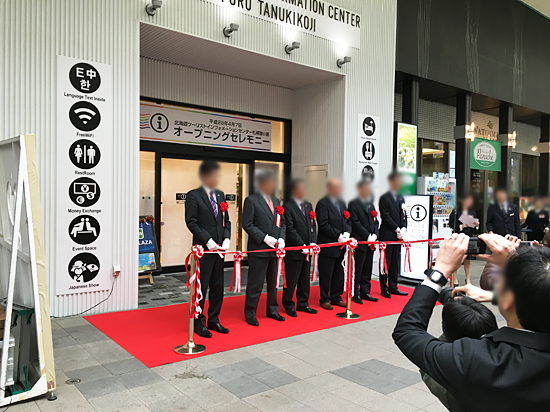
point(476, 246)
point(446, 296)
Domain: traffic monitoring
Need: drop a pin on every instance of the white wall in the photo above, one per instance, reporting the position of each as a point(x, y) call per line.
point(34, 32)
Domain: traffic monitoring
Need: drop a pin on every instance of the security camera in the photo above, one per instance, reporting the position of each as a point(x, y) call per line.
point(227, 31)
point(152, 7)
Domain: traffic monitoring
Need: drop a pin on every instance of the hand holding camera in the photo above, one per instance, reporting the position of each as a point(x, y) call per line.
point(452, 253)
point(501, 248)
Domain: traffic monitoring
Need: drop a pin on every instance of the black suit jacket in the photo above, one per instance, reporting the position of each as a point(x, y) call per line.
point(201, 220)
point(497, 223)
point(392, 215)
point(505, 371)
point(537, 222)
point(299, 230)
point(258, 221)
point(331, 224)
point(363, 223)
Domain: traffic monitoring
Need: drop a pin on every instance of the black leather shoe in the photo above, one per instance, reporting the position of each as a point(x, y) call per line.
point(368, 297)
point(217, 327)
point(307, 309)
point(253, 322)
point(276, 317)
point(203, 332)
point(357, 299)
point(291, 312)
point(398, 292)
point(385, 294)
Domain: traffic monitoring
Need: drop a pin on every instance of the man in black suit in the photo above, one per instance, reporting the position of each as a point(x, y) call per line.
point(301, 230)
point(505, 370)
point(393, 227)
point(260, 222)
point(333, 227)
point(206, 222)
point(364, 227)
point(503, 216)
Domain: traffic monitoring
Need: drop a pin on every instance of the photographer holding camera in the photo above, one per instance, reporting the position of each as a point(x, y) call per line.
point(506, 370)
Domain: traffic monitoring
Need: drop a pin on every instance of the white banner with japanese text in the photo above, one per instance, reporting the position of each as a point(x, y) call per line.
point(192, 126)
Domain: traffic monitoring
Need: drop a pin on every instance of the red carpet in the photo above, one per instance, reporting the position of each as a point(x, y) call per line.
point(151, 334)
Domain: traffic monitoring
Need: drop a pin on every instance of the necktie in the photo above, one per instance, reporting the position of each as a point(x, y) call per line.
point(336, 205)
point(270, 204)
point(214, 204)
point(303, 207)
point(503, 209)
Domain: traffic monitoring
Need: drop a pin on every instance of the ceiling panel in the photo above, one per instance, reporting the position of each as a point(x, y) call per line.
point(182, 49)
point(541, 6)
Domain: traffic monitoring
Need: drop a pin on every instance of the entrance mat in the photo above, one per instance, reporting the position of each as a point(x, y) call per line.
point(151, 334)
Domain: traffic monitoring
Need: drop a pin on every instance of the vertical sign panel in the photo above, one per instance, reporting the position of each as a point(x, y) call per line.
point(84, 176)
point(369, 153)
point(419, 211)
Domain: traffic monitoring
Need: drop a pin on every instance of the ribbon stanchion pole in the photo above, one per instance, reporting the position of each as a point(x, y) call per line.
point(350, 270)
point(191, 348)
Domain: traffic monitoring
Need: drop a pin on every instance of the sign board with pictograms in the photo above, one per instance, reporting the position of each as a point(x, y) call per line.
point(368, 153)
point(84, 176)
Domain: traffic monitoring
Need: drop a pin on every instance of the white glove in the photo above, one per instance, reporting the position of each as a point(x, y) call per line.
point(270, 241)
point(372, 238)
point(281, 243)
point(226, 243)
point(347, 235)
point(342, 238)
point(305, 251)
point(311, 250)
point(211, 245)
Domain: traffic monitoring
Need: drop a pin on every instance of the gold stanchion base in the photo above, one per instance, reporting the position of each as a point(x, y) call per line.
point(348, 314)
point(190, 348)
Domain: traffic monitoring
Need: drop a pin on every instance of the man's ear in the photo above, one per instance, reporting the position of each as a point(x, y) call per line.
point(507, 301)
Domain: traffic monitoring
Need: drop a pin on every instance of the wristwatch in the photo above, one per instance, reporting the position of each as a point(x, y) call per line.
point(436, 276)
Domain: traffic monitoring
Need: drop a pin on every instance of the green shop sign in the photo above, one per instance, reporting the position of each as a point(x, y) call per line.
point(485, 154)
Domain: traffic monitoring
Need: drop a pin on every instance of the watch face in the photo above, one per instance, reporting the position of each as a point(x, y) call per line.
point(436, 276)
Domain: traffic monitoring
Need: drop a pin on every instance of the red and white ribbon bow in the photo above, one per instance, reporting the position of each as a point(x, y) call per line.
point(431, 244)
point(407, 246)
point(280, 210)
point(236, 279)
point(349, 266)
point(315, 250)
point(194, 280)
point(281, 253)
point(383, 266)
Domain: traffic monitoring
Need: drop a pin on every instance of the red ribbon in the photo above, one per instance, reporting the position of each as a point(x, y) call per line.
point(194, 280)
point(346, 215)
point(349, 266)
point(224, 207)
point(312, 216)
point(383, 269)
point(315, 265)
point(236, 279)
point(281, 253)
point(431, 244)
point(407, 256)
point(280, 210)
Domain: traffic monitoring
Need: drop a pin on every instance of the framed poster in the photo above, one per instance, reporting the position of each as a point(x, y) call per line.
point(405, 148)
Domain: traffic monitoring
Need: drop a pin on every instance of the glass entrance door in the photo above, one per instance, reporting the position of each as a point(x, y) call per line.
point(179, 176)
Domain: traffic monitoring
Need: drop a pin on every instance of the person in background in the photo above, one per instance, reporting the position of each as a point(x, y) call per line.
point(462, 317)
point(333, 227)
point(537, 221)
point(506, 370)
point(301, 230)
point(210, 229)
point(364, 227)
point(260, 223)
point(465, 206)
point(503, 216)
point(392, 228)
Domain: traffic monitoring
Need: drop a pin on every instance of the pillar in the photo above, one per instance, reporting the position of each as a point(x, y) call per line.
point(505, 117)
point(544, 160)
point(462, 163)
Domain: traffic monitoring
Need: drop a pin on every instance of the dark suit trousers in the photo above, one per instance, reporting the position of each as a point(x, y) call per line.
point(393, 261)
point(211, 277)
point(331, 277)
point(261, 269)
point(297, 277)
point(363, 271)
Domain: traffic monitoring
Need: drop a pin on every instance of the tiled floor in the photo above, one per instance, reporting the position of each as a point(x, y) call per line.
point(354, 367)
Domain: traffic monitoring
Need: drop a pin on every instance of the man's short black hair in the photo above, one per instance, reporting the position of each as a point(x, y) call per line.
point(501, 189)
point(393, 175)
point(466, 318)
point(208, 166)
point(362, 183)
point(527, 275)
point(294, 182)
